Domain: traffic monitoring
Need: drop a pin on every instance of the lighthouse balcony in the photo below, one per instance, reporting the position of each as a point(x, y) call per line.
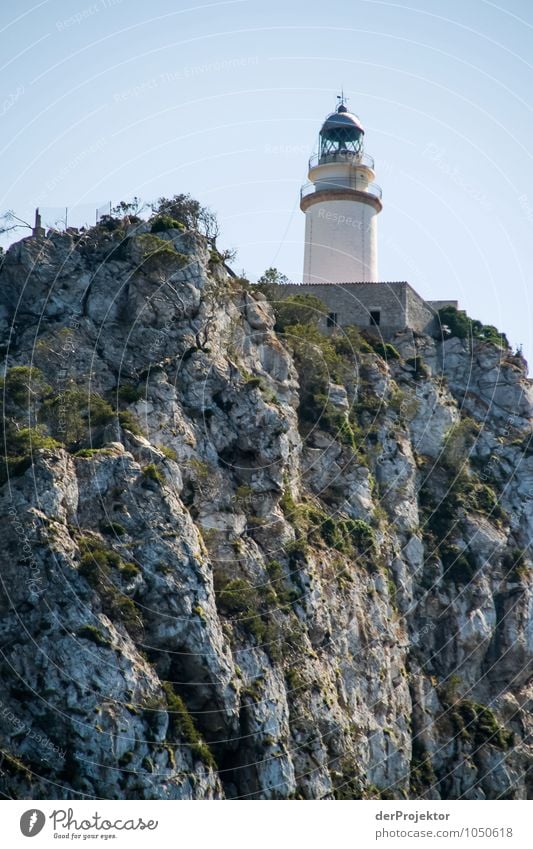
point(371, 189)
point(343, 156)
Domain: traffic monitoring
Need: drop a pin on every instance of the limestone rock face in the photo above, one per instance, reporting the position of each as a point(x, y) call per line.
point(240, 566)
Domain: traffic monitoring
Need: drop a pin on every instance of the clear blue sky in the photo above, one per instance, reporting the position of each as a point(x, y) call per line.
point(107, 99)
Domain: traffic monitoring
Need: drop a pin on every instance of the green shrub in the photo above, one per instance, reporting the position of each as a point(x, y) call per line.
point(297, 309)
point(128, 614)
point(524, 444)
point(25, 441)
point(100, 412)
point(459, 566)
point(96, 557)
point(316, 355)
point(460, 325)
point(360, 532)
point(243, 493)
point(294, 679)
point(346, 783)
point(477, 724)
point(514, 565)
point(349, 341)
point(484, 500)
point(129, 393)
point(94, 634)
point(12, 467)
point(472, 495)
point(191, 214)
point(199, 467)
point(237, 596)
point(422, 775)
point(129, 422)
point(23, 385)
point(101, 566)
point(67, 416)
point(443, 518)
point(253, 383)
point(128, 208)
point(347, 535)
point(129, 570)
point(489, 333)
point(113, 528)
point(283, 596)
point(20, 445)
point(456, 320)
point(297, 549)
point(368, 404)
point(319, 410)
point(73, 414)
point(303, 517)
point(384, 349)
point(152, 473)
point(169, 453)
point(166, 222)
point(333, 533)
point(320, 360)
point(87, 453)
point(270, 280)
point(182, 725)
point(312, 523)
point(215, 257)
point(153, 246)
point(393, 592)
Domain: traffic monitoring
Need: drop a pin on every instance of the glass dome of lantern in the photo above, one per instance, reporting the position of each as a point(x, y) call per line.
point(341, 136)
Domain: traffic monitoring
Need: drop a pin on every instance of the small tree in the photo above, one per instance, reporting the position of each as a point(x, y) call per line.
point(9, 221)
point(268, 284)
point(456, 321)
point(459, 324)
point(132, 208)
point(272, 277)
point(297, 309)
point(292, 309)
point(190, 213)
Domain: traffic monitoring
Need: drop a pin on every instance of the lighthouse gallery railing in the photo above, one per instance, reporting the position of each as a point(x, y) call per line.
point(342, 156)
point(369, 189)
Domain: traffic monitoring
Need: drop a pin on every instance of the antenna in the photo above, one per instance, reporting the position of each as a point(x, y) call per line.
point(342, 100)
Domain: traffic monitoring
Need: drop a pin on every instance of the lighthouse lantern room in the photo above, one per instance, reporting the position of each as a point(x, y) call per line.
point(341, 203)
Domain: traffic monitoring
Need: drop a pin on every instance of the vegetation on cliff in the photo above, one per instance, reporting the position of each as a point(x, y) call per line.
point(257, 560)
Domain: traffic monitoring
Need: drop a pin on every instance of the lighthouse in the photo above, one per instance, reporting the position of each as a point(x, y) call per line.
point(341, 203)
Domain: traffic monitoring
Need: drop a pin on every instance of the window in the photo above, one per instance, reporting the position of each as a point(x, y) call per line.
point(375, 316)
point(331, 320)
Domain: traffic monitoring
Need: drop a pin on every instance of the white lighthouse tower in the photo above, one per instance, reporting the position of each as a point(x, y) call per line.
point(341, 203)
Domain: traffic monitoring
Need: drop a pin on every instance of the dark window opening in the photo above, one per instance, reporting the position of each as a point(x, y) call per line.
point(331, 320)
point(375, 316)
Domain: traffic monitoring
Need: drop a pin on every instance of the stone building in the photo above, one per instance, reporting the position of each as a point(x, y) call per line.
point(387, 306)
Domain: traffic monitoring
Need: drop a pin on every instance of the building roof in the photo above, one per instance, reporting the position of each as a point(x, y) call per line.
point(354, 283)
point(341, 119)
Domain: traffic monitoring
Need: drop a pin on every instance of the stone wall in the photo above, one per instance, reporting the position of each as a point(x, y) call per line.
point(439, 305)
point(420, 316)
point(398, 304)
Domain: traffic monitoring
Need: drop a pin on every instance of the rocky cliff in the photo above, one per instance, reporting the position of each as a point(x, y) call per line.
point(241, 562)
